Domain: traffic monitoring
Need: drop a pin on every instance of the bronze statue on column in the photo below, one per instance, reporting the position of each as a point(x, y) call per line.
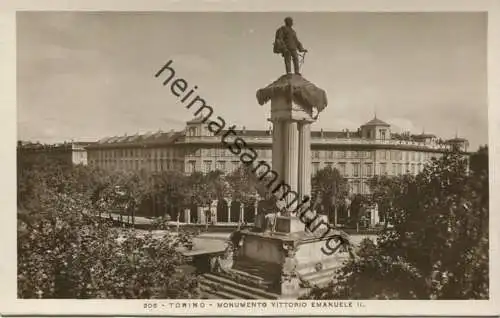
point(288, 45)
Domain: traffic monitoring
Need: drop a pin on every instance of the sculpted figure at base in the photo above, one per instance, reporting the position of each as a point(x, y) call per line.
point(287, 44)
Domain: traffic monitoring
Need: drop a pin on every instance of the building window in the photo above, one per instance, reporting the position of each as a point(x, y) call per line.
point(315, 168)
point(329, 165)
point(342, 167)
point(355, 187)
point(368, 169)
point(191, 167)
point(383, 168)
point(382, 155)
point(235, 165)
point(382, 134)
point(221, 165)
point(316, 154)
point(207, 166)
point(355, 169)
point(394, 155)
point(330, 154)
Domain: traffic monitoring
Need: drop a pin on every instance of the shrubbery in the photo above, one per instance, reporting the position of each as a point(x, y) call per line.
point(66, 251)
point(437, 247)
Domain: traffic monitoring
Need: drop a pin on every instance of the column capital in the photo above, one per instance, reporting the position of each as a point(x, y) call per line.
point(295, 120)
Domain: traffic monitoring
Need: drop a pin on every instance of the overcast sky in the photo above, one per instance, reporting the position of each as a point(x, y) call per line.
point(84, 76)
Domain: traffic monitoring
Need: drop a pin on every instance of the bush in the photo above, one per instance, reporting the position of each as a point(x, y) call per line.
point(65, 250)
point(437, 247)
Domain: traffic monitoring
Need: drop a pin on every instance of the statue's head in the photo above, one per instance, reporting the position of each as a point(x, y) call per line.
point(288, 21)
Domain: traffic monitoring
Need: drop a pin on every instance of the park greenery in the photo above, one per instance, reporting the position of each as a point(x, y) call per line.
point(434, 242)
point(437, 245)
point(65, 250)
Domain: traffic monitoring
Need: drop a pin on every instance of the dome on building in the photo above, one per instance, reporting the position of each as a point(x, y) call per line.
point(197, 120)
point(376, 122)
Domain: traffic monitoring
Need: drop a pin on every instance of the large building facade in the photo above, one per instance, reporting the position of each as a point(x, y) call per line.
point(373, 149)
point(68, 153)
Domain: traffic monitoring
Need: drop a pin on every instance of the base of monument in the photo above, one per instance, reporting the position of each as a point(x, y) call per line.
point(288, 263)
point(286, 224)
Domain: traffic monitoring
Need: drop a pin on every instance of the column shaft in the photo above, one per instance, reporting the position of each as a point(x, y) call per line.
point(291, 159)
point(242, 213)
point(304, 168)
point(229, 202)
point(277, 148)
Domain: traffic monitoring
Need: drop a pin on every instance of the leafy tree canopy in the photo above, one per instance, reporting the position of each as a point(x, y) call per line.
point(437, 247)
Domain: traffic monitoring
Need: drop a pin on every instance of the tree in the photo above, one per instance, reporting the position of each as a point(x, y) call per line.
point(72, 254)
point(243, 184)
point(438, 245)
point(331, 189)
point(479, 160)
point(66, 251)
point(246, 186)
point(385, 190)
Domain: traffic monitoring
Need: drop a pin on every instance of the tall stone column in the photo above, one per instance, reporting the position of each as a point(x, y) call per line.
point(294, 102)
point(187, 216)
point(291, 159)
point(214, 218)
point(304, 182)
point(201, 214)
point(277, 152)
point(242, 213)
point(229, 202)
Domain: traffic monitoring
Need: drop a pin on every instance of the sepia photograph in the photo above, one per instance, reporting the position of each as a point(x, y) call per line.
point(262, 160)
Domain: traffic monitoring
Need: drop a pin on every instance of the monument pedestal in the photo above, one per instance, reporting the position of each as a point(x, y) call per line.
point(287, 224)
point(286, 260)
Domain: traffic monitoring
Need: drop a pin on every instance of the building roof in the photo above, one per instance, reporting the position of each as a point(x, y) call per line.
point(376, 122)
point(334, 134)
point(146, 138)
point(196, 120)
point(456, 139)
point(423, 136)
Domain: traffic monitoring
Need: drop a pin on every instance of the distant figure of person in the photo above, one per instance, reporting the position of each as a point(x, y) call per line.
point(287, 44)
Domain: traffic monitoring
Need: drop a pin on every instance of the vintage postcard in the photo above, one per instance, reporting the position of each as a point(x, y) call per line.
point(248, 158)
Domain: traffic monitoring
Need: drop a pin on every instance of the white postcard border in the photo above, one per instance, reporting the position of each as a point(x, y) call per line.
point(10, 305)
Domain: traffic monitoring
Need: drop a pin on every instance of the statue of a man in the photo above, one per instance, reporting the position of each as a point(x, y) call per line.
point(287, 44)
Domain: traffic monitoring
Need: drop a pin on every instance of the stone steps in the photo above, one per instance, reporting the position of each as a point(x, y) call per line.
point(209, 293)
point(256, 270)
point(224, 288)
point(320, 279)
point(315, 276)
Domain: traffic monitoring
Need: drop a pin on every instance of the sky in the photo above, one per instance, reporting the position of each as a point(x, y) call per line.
point(86, 75)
